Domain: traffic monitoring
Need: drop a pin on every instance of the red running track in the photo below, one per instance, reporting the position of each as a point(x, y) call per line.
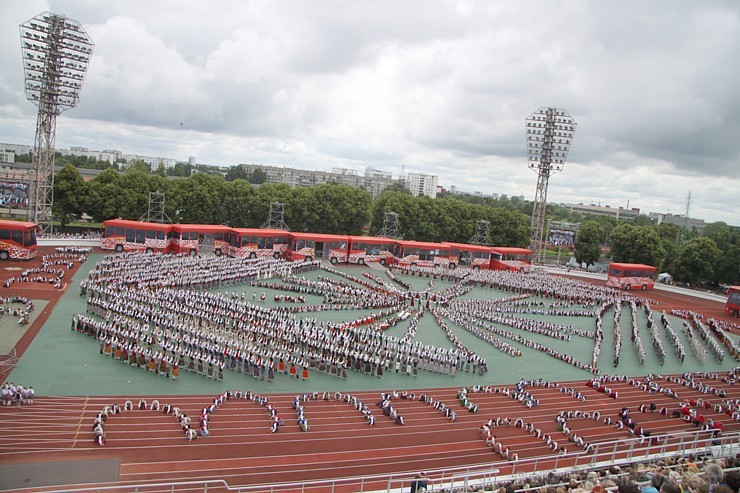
point(242, 451)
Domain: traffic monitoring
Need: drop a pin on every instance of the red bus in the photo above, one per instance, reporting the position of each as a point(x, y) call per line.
point(309, 246)
point(473, 256)
point(365, 249)
point(733, 301)
point(422, 254)
point(629, 276)
point(511, 258)
point(17, 240)
point(136, 236)
point(254, 242)
point(195, 238)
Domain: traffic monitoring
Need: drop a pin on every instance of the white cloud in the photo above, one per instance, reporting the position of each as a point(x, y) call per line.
point(440, 87)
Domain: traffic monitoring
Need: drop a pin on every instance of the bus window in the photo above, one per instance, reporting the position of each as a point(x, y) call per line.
point(130, 235)
point(4, 234)
point(17, 237)
point(110, 231)
point(120, 230)
point(150, 233)
point(140, 235)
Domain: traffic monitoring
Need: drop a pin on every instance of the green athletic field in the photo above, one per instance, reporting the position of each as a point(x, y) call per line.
point(63, 362)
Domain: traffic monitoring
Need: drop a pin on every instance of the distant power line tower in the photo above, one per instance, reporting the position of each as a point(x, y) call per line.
point(390, 226)
point(686, 218)
point(549, 135)
point(56, 53)
point(155, 213)
point(481, 233)
point(276, 219)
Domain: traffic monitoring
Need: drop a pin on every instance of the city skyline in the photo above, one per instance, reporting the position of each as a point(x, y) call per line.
point(441, 88)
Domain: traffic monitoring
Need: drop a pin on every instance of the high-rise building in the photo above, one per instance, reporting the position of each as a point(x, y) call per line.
point(420, 184)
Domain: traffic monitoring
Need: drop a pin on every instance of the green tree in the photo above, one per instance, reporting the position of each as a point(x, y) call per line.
point(198, 199)
point(181, 169)
point(643, 220)
point(696, 260)
point(646, 246)
point(620, 241)
point(259, 206)
point(237, 200)
point(509, 228)
point(141, 166)
point(70, 193)
point(236, 173)
point(588, 242)
point(722, 234)
point(103, 190)
point(328, 208)
point(257, 177)
point(727, 269)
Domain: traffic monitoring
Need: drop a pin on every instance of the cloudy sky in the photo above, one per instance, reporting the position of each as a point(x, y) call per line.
point(440, 87)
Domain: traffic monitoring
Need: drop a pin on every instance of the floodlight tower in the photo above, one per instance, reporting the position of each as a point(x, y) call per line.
point(56, 53)
point(549, 135)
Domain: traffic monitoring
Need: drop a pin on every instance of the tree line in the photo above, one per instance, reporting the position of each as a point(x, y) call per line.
point(326, 208)
point(202, 198)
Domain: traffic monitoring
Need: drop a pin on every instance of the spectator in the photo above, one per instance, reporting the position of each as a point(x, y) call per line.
point(419, 484)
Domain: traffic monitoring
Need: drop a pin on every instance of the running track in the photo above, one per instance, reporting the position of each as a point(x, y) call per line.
point(242, 451)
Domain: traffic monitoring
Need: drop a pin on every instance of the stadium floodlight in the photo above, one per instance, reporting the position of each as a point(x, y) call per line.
point(56, 52)
point(549, 136)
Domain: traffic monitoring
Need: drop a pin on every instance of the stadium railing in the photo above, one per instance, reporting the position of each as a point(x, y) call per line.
point(619, 452)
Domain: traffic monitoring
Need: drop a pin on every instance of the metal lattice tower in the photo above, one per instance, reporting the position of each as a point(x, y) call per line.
point(155, 213)
point(276, 219)
point(549, 135)
point(481, 233)
point(390, 226)
point(56, 53)
point(685, 230)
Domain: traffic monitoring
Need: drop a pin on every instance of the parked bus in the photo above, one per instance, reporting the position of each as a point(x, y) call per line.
point(135, 236)
point(631, 276)
point(511, 258)
point(421, 254)
point(366, 249)
point(17, 240)
point(254, 242)
point(473, 256)
point(309, 246)
point(733, 301)
point(196, 238)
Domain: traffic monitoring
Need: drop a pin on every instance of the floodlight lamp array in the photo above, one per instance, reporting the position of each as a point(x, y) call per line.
point(56, 54)
point(549, 135)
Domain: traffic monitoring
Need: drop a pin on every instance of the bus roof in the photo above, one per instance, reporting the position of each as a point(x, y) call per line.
point(468, 247)
point(261, 231)
point(136, 224)
point(624, 265)
point(201, 228)
point(318, 236)
point(421, 244)
point(372, 239)
point(5, 223)
point(512, 250)
point(733, 289)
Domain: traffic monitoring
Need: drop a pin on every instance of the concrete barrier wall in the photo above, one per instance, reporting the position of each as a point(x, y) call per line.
point(56, 242)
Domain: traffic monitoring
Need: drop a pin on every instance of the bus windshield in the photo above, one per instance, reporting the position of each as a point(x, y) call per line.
point(733, 297)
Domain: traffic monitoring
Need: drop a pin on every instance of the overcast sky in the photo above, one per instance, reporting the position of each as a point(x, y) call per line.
point(442, 87)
